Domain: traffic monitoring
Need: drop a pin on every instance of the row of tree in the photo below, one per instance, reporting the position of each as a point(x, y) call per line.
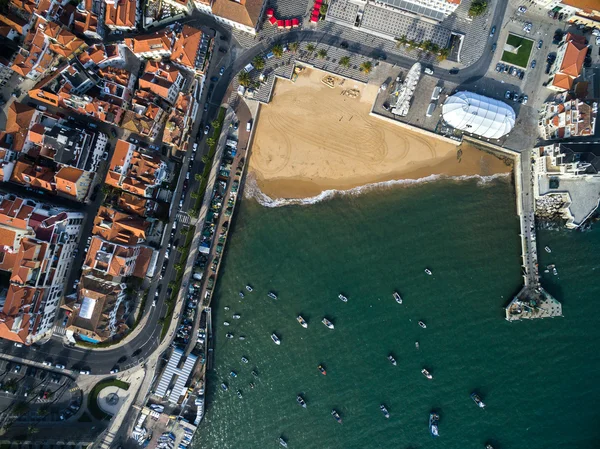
point(427, 46)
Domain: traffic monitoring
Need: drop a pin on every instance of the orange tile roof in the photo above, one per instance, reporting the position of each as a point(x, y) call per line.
point(159, 41)
point(121, 13)
point(130, 203)
point(186, 47)
point(66, 180)
point(84, 21)
point(574, 57)
point(246, 12)
point(18, 121)
point(13, 21)
point(562, 81)
point(27, 6)
point(586, 5)
point(119, 227)
point(66, 43)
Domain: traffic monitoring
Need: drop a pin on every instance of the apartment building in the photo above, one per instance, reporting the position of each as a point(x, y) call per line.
point(569, 63)
point(38, 242)
point(121, 14)
point(564, 119)
point(163, 79)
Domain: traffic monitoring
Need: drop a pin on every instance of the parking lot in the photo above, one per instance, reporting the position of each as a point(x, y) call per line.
point(32, 394)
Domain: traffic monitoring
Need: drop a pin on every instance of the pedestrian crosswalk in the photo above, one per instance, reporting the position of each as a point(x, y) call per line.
point(183, 218)
point(58, 330)
point(74, 390)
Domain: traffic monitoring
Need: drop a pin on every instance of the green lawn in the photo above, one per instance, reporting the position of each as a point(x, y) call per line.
point(521, 58)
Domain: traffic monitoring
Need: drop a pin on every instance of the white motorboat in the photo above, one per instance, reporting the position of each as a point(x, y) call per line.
point(428, 271)
point(327, 323)
point(275, 339)
point(397, 297)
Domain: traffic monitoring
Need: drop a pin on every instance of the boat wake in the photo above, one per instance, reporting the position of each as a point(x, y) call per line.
point(253, 191)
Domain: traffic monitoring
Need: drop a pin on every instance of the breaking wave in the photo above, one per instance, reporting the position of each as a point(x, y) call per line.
point(253, 191)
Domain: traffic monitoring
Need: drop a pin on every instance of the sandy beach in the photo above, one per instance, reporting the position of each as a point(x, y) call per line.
point(312, 138)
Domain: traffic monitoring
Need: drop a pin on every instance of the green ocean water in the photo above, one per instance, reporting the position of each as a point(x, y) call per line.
point(538, 378)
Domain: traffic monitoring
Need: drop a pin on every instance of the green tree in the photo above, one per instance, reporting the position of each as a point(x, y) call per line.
point(171, 284)
point(195, 195)
point(402, 40)
point(244, 79)
point(43, 411)
point(323, 9)
point(216, 124)
point(426, 45)
point(20, 408)
point(310, 47)
point(198, 177)
point(435, 48)
point(345, 61)
point(277, 50)
point(366, 67)
point(211, 142)
point(412, 44)
point(443, 54)
point(293, 46)
point(321, 53)
point(258, 62)
point(194, 212)
point(32, 430)
point(205, 160)
point(178, 267)
point(477, 8)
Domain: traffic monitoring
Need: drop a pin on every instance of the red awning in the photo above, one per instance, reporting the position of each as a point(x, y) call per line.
point(270, 12)
point(295, 22)
point(314, 19)
point(272, 20)
point(317, 10)
point(318, 3)
point(288, 23)
point(280, 23)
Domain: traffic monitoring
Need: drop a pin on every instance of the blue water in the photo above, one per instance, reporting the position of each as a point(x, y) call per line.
point(538, 378)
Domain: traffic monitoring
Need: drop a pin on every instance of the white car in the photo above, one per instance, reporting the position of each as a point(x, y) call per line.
point(428, 71)
point(84, 371)
point(60, 366)
point(522, 9)
point(596, 32)
point(597, 40)
point(18, 345)
point(47, 363)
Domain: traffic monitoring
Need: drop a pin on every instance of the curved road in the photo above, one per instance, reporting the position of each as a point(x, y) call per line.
point(147, 340)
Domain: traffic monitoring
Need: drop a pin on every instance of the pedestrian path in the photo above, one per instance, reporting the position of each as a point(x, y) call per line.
point(59, 330)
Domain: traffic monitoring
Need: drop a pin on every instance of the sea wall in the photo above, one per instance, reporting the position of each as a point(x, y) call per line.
point(415, 129)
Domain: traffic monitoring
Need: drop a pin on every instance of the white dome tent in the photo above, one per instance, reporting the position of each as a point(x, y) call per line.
point(476, 114)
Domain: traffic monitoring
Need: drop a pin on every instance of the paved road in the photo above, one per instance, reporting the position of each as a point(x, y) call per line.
point(144, 344)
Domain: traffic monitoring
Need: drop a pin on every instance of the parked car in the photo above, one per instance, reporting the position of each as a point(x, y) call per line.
point(115, 370)
point(18, 345)
point(113, 132)
point(47, 363)
point(524, 99)
point(428, 71)
point(214, 78)
point(59, 366)
point(221, 71)
point(206, 129)
point(494, 47)
point(515, 96)
point(84, 371)
point(499, 67)
point(453, 71)
point(540, 43)
point(493, 31)
point(533, 64)
point(507, 95)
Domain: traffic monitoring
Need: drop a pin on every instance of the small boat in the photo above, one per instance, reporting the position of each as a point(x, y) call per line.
point(241, 294)
point(554, 272)
point(242, 337)
point(224, 386)
point(249, 288)
point(336, 415)
point(282, 442)
point(301, 402)
point(322, 369)
point(251, 385)
point(551, 266)
point(254, 373)
point(428, 271)
point(392, 359)
point(422, 324)
point(225, 323)
point(272, 295)
point(426, 374)
point(397, 297)
point(244, 360)
point(546, 271)
point(417, 344)
point(327, 323)
point(302, 321)
point(547, 248)
point(233, 374)
point(489, 446)
point(226, 308)
point(239, 394)
point(275, 339)
point(236, 317)
point(433, 424)
point(477, 400)
point(384, 411)
point(229, 335)
point(343, 298)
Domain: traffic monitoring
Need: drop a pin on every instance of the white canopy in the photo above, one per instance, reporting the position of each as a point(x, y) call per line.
point(479, 115)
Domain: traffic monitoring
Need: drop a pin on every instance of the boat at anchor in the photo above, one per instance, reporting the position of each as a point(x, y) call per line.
point(397, 297)
point(343, 298)
point(392, 359)
point(434, 419)
point(384, 411)
point(301, 402)
point(327, 323)
point(336, 415)
point(428, 271)
point(322, 370)
point(275, 339)
point(422, 324)
point(302, 321)
point(272, 295)
point(249, 288)
point(477, 400)
point(426, 373)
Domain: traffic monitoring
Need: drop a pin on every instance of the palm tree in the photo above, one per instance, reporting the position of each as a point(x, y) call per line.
point(402, 40)
point(323, 9)
point(244, 79)
point(443, 54)
point(310, 48)
point(426, 45)
point(435, 48)
point(198, 177)
point(211, 142)
point(345, 61)
point(477, 8)
point(321, 53)
point(412, 43)
point(205, 160)
point(277, 50)
point(293, 46)
point(366, 67)
point(258, 62)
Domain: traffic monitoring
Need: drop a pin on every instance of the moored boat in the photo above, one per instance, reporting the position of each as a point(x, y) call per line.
point(547, 248)
point(489, 446)
point(477, 400)
point(384, 411)
point(275, 339)
point(224, 386)
point(233, 374)
point(426, 373)
point(397, 297)
point(428, 271)
point(226, 308)
point(322, 369)
point(302, 321)
point(283, 442)
point(241, 294)
point(239, 394)
point(417, 344)
point(336, 415)
point(242, 337)
point(244, 360)
point(272, 295)
point(301, 402)
point(392, 359)
point(254, 373)
point(327, 323)
point(225, 323)
point(422, 324)
point(251, 385)
point(229, 335)
point(342, 297)
point(434, 419)
point(236, 316)
point(249, 287)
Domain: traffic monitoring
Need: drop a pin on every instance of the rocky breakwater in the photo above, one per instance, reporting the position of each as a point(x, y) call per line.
point(551, 207)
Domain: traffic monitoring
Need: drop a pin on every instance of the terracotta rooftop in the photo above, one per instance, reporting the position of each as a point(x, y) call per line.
point(159, 41)
point(186, 47)
point(246, 12)
point(574, 57)
point(121, 13)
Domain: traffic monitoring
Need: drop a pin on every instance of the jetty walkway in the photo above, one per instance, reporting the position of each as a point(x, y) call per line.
point(532, 301)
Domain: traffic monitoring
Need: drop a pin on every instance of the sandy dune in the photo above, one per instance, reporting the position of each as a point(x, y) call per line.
point(312, 138)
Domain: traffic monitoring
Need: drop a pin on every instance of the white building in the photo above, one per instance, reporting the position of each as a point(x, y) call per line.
point(476, 114)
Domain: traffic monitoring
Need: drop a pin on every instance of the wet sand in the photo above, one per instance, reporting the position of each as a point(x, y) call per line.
point(311, 138)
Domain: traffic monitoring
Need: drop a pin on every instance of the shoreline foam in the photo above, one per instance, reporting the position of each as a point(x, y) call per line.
point(252, 190)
